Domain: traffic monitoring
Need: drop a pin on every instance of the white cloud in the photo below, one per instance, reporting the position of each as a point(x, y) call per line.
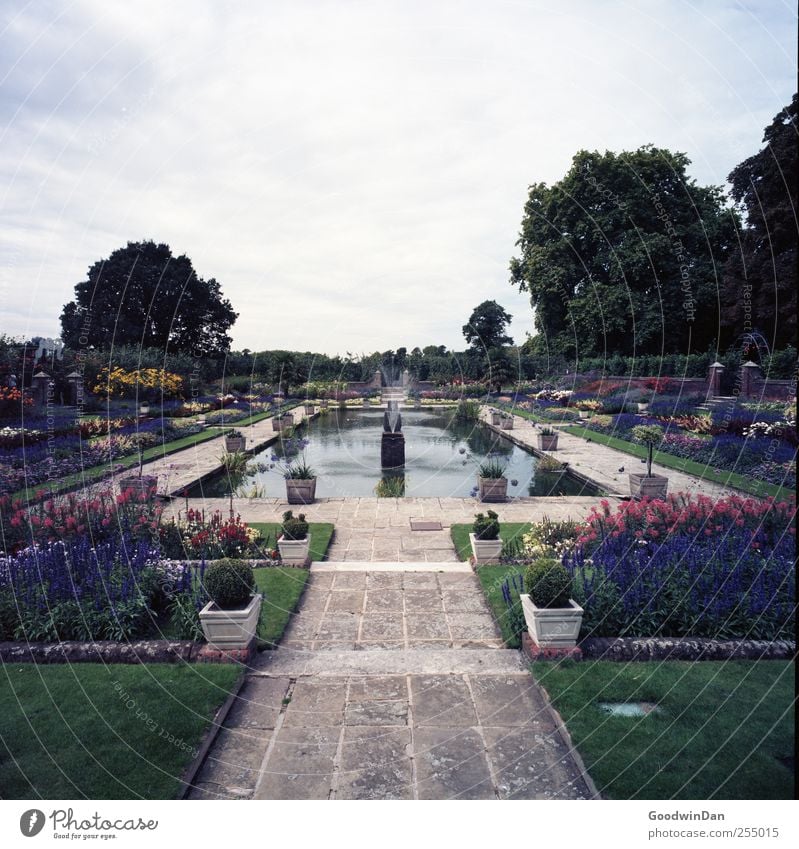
point(353, 173)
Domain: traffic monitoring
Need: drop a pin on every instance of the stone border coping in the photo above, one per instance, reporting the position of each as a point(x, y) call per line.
point(389, 566)
point(102, 651)
point(685, 648)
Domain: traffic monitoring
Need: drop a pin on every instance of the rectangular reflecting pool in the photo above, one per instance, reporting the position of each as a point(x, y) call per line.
point(442, 455)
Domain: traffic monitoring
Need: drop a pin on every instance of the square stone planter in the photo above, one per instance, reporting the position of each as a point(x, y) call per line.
point(144, 486)
point(294, 552)
point(552, 627)
point(547, 443)
point(506, 423)
point(300, 491)
point(234, 443)
point(231, 629)
point(496, 419)
point(324, 404)
point(492, 489)
point(643, 486)
point(277, 423)
point(310, 409)
point(643, 406)
point(485, 551)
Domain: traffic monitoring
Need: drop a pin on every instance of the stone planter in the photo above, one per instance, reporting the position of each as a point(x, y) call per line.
point(643, 406)
point(552, 627)
point(145, 485)
point(642, 486)
point(234, 443)
point(485, 550)
point(310, 409)
point(506, 423)
point(300, 491)
point(548, 443)
point(492, 489)
point(496, 419)
point(277, 423)
point(229, 630)
point(294, 552)
point(324, 404)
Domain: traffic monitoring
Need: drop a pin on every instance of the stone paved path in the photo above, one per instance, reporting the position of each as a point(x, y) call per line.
point(392, 685)
point(601, 464)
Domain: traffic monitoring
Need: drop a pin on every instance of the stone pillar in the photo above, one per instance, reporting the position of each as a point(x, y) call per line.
point(406, 379)
point(392, 451)
point(41, 388)
point(75, 380)
point(377, 380)
point(714, 373)
point(750, 372)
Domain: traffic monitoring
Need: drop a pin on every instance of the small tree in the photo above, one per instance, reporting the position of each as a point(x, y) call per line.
point(651, 436)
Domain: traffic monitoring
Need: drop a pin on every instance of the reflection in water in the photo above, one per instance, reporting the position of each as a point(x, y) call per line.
point(441, 459)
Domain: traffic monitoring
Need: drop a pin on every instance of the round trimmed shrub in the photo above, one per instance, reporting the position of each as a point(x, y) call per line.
point(548, 583)
point(486, 527)
point(230, 583)
point(294, 527)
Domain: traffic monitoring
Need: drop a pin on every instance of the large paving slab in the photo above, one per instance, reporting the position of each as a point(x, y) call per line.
point(392, 684)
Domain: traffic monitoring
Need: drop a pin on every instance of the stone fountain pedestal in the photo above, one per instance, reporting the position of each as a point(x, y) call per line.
point(392, 450)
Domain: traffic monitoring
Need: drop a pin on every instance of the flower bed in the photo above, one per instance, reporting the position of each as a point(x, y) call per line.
point(683, 567)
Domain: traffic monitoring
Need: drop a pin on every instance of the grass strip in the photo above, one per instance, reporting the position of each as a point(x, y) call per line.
point(491, 578)
point(95, 473)
point(681, 464)
point(282, 588)
point(507, 531)
point(724, 730)
point(321, 535)
point(104, 731)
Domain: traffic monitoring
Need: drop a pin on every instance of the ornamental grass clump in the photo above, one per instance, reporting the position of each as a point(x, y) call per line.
point(294, 527)
point(548, 583)
point(229, 583)
point(486, 527)
point(492, 468)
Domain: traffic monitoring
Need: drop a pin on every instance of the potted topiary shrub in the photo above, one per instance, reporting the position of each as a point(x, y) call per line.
point(552, 617)
point(547, 439)
point(234, 441)
point(648, 485)
point(486, 544)
point(492, 484)
point(294, 541)
point(230, 619)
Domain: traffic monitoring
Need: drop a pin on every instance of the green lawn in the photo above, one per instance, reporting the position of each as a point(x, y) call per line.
point(507, 531)
point(491, 578)
point(104, 732)
point(282, 588)
point(726, 730)
point(681, 464)
point(321, 534)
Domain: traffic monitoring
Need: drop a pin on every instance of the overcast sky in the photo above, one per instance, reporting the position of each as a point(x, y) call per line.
point(353, 173)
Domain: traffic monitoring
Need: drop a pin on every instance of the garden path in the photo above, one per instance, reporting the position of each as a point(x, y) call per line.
point(391, 683)
point(601, 464)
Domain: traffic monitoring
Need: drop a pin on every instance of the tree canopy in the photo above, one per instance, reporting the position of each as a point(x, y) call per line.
point(144, 296)
point(622, 256)
point(486, 327)
point(760, 278)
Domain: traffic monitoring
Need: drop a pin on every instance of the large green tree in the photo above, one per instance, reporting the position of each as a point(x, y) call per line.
point(622, 256)
point(142, 295)
point(486, 327)
point(760, 278)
